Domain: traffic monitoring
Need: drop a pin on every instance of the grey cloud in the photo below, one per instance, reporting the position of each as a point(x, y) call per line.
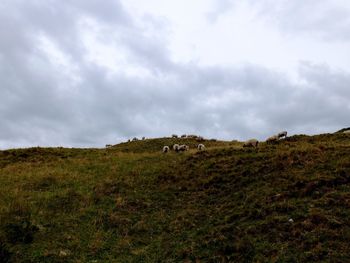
point(335, 83)
point(43, 105)
point(269, 102)
point(319, 104)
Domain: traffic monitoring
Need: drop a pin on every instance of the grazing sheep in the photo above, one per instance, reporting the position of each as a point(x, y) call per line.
point(176, 147)
point(183, 148)
point(201, 147)
point(174, 136)
point(282, 134)
point(199, 139)
point(183, 136)
point(251, 143)
point(166, 149)
point(108, 145)
point(272, 139)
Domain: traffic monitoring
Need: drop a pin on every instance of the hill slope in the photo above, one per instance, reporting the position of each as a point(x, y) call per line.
point(287, 202)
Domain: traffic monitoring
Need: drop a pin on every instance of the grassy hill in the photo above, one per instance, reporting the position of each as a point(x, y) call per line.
point(287, 202)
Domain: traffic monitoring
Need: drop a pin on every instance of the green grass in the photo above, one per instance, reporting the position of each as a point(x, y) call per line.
point(132, 203)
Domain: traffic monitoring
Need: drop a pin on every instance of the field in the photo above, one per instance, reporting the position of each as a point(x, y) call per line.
point(285, 202)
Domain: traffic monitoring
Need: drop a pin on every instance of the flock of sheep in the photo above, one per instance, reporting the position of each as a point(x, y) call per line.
point(190, 136)
point(182, 148)
point(270, 140)
point(250, 143)
point(276, 137)
point(200, 147)
point(136, 139)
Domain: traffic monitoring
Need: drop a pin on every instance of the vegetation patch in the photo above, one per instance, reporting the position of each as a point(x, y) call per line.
point(282, 202)
point(16, 225)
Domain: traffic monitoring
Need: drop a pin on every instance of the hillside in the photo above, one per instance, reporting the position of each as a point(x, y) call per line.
point(287, 202)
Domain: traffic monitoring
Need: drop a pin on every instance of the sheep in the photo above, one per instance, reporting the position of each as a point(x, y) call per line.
point(272, 139)
point(174, 136)
point(201, 147)
point(251, 143)
point(282, 134)
point(176, 147)
point(199, 139)
point(183, 148)
point(166, 149)
point(183, 136)
point(180, 148)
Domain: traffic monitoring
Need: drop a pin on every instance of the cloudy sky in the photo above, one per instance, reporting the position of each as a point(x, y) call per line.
point(84, 73)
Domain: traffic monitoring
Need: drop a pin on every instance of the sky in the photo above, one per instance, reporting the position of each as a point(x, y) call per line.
point(85, 73)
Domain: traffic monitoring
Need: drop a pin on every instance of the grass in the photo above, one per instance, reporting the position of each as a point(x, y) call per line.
point(286, 202)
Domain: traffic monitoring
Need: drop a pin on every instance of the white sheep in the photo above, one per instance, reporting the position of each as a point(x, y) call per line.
point(199, 139)
point(166, 149)
point(251, 143)
point(200, 147)
point(176, 147)
point(183, 148)
point(272, 139)
point(282, 134)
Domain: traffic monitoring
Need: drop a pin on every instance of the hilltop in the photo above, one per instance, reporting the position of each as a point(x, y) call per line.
point(286, 202)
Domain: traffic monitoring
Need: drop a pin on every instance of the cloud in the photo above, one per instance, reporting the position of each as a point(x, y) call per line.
point(218, 9)
point(327, 20)
point(87, 73)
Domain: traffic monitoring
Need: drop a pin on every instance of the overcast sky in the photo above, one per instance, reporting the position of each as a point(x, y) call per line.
point(85, 73)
